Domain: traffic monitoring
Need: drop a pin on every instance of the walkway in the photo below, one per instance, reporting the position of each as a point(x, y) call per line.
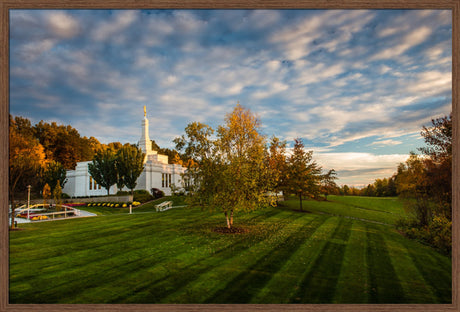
point(82, 214)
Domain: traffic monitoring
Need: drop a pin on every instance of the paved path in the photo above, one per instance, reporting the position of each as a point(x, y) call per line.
point(83, 214)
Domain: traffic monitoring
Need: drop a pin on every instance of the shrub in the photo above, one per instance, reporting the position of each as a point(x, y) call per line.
point(438, 233)
point(142, 196)
point(441, 233)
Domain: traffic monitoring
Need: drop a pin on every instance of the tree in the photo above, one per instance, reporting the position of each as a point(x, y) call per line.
point(64, 144)
point(129, 166)
point(438, 138)
point(303, 174)
point(277, 164)
point(103, 168)
point(54, 172)
point(413, 183)
point(244, 180)
point(229, 173)
point(46, 193)
point(198, 147)
point(328, 185)
point(57, 194)
point(26, 158)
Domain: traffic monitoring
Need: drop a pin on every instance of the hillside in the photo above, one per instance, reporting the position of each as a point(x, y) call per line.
point(329, 255)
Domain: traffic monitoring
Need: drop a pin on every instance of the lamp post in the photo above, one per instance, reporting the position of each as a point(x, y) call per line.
point(28, 200)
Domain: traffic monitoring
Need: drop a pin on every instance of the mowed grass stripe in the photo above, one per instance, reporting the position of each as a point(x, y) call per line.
point(391, 205)
point(435, 269)
point(229, 264)
point(385, 286)
point(353, 284)
point(75, 263)
point(415, 288)
point(319, 284)
point(120, 233)
point(337, 208)
point(153, 293)
point(89, 269)
point(253, 278)
point(175, 269)
point(175, 257)
point(284, 284)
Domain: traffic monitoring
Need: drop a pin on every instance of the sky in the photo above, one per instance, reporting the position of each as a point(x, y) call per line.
point(355, 85)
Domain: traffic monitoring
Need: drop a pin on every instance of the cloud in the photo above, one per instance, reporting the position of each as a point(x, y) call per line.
point(63, 25)
point(359, 168)
point(387, 142)
point(112, 29)
point(334, 77)
point(412, 39)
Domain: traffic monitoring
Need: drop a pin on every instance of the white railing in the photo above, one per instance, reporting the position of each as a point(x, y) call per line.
point(49, 215)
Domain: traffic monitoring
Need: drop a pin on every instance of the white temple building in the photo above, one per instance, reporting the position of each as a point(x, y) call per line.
point(157, 172)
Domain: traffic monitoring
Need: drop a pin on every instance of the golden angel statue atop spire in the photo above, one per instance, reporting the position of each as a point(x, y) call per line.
point(145, 111)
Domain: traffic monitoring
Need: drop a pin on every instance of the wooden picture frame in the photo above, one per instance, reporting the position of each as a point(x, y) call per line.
point(6, 5)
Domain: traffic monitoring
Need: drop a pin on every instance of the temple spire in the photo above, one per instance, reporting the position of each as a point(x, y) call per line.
point(144, 143)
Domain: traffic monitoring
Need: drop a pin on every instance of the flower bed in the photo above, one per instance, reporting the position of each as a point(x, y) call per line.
point(75, 204)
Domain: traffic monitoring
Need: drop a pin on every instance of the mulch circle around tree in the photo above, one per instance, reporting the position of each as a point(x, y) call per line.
point(225, 230)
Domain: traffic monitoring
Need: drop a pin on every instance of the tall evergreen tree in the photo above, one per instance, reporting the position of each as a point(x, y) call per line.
point(303, 173)
point(328, 185)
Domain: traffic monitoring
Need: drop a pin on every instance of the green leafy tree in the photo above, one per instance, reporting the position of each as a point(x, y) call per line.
point(244, 179)
point(197, 145)
point(328, 185)
point(303, 173)
point(103, 168)
point(129, 166)
point(229, 173)
point(54, 172)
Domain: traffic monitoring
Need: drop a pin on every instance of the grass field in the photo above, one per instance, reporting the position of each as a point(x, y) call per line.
point(330, 255)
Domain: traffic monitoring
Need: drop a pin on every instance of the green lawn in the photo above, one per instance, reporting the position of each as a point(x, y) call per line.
point(330, 255)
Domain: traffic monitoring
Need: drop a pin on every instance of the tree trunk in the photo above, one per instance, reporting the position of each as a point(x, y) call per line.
point(231, 218)
point(228, 220)
point(300, 198)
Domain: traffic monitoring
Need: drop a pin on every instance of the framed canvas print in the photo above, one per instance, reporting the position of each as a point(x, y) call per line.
point(203, 156)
